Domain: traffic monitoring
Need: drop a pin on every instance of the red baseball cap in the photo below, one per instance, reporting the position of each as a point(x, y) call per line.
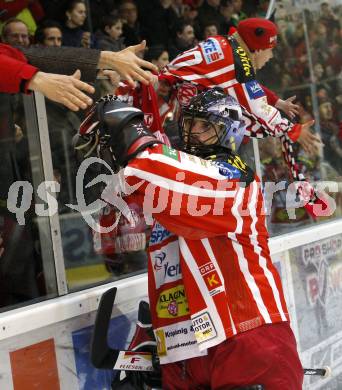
point(258, 33)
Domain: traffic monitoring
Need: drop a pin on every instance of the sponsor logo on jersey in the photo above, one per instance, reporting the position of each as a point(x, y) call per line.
point(212, 51)
point(177, 340)
point(168, 270)
point(185, 92)
point(227, 170)
point(173, 308)
point(203, 327)
point(172, 303)
point(245, 61)
point(195, 160)
point(159, 233)
point(170, 152)
point(176, 332)
point(237, 163)
point(161, 342)
point(266, 108)
point(211, 279)
point(134, 361)
point(165, 263)
point(148, 119)
point(213, 283)
point(159, 258)
point(254, 90)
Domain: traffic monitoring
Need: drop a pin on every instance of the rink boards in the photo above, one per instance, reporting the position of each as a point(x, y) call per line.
point(46, 346)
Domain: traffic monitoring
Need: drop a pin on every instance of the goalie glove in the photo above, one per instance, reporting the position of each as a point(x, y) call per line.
point(117, 126)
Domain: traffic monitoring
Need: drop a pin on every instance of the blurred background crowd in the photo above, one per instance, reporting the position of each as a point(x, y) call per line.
point(307, 63)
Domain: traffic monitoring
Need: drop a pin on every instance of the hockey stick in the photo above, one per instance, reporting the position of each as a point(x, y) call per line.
point(102, 356)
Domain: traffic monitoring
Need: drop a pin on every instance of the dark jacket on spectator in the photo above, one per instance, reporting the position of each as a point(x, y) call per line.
point(105, 42)
point(177, 46)
point(73, 36)
point(64, 60)
point(54, 9)
point(225, 26)
point(156, 22)
point(131, 35)
point(98, 9)
point(208, 13)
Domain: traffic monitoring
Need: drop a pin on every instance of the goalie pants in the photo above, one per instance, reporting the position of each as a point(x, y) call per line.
point(266, 355)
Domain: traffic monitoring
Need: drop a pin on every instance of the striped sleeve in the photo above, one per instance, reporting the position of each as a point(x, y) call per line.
point(191, 197)
point(209, 64)
point(253, 97)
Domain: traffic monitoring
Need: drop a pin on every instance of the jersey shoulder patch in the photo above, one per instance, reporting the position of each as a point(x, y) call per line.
point(170, 152)
point(212, 51)
point(244, 71)
point(254, 90)
point(233, 167)
point(228, 170)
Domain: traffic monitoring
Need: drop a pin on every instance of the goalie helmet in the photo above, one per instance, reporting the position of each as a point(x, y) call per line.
point(222, 124)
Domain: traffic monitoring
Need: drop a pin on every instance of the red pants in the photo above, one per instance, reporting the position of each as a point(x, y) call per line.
point(266, 356)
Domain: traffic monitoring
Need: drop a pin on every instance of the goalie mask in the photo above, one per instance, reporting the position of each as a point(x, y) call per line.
point(211, 119)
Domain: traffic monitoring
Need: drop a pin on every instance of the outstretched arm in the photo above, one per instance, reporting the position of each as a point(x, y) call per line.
point(67, 90)
point(16, 75)
point(66, 60)
point(191, 197)
point(127, 63)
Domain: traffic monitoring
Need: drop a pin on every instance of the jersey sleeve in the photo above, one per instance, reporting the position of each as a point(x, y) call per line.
point(272, 97)
point(253, 97)
point(222, 62)
point(190, 197)
point(209, 64)
point(14, 70)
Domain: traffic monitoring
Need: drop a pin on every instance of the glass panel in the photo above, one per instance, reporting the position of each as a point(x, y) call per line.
point(306, 64)
point(27, 271)
point(316, 290)
point(91, 257)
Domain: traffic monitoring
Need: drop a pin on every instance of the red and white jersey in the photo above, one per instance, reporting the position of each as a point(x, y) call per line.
point(210, 271)
point(222, 62)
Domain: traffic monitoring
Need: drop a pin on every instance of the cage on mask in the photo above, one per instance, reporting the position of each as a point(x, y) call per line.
point(211, 119)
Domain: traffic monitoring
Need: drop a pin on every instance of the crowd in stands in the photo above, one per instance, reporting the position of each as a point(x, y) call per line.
point(173, 26)
point(290, 72)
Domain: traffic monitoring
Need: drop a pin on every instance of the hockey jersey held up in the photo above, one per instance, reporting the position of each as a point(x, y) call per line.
point(221, 61)
point(210, 271)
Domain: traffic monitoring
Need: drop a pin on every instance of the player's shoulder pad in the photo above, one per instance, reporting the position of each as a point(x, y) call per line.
point(244, 70)
point(233, 167)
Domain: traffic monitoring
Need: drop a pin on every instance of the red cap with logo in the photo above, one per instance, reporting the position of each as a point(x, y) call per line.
point(258, 34)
